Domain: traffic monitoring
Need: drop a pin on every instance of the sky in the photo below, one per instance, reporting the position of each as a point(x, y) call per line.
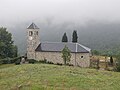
point(59, 16)
point(19, 11)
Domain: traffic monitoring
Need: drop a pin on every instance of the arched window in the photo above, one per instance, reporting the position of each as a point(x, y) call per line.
point(36, 32)
point(30, 33)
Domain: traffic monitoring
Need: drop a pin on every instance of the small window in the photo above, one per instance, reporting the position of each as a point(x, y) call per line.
point(81, 56)
point(30, 33)
point(36, 32)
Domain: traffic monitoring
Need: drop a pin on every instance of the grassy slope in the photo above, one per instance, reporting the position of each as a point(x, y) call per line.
point(53, 77)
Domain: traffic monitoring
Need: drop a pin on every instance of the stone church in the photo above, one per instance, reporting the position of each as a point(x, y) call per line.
point(51, 51)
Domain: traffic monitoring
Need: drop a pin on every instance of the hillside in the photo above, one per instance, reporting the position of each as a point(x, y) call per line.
point(53, 77)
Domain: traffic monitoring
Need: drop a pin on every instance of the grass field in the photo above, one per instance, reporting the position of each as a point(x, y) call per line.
point(53, 77)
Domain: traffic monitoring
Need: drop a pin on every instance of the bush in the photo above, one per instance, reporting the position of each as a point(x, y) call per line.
point(49, 62)
point(59, 64)
point(9, 60)
point(0, 62)
point(5, 61)
point(32, 61)
point(111, 60)
point(18, 62)
point(117, 67)
point(13, 60)
point(43, 61)
point(71, 65)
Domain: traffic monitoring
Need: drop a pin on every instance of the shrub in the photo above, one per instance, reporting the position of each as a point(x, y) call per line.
point(32, 61)
point(18, 62)
point(59, 64)
point(43, 61)
point(117, 67)
point(5, 61)
point(70, 64)
point(111, 60)
point(9, 60)
point(0, 62)
point(13, 60)
point(49, 62)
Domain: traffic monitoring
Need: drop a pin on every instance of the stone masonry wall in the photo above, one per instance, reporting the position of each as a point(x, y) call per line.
point(78, 59)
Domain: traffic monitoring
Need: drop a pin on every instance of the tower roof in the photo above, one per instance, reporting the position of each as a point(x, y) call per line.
point(32, 26)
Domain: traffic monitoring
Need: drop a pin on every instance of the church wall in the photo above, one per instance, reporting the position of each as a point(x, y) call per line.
point(78, 59)
point(82, 59)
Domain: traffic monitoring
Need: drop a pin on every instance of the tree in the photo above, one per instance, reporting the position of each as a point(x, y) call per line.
point(117, 67)
point(66, 54)
point(7, 47)
point(64, 38)
point(74, 36)
point(111, 60)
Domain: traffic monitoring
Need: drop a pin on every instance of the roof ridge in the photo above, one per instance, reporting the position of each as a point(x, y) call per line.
point(88, 49)
point(76, 47)
point(57, 42)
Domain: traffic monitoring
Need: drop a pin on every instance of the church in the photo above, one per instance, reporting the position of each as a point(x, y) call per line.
point(51, 51)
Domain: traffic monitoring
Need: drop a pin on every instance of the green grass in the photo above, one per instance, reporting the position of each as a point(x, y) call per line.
point(53, 77)
point(6, 65)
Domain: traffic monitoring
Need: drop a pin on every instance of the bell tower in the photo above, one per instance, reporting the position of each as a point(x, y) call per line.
point(32, 40)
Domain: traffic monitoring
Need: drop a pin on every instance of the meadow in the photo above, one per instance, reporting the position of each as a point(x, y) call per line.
point(54, 77)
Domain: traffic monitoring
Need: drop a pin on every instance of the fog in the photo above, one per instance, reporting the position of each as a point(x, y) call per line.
point(96, 21)
point(16, 11)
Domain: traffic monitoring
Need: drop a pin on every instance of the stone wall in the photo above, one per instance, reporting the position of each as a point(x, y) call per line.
point(32, 42)
point(78, 59)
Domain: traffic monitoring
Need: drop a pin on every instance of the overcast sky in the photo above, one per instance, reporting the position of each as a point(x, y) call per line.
point(17, 11)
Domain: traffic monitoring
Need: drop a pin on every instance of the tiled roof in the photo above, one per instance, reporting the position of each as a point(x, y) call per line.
point(58, 47)
point(32, 26)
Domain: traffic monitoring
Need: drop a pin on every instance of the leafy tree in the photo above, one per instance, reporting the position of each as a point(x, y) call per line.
point(66, 54)
point(64, 38)
point(111, 60)
point(117, 68)
point(7, 47)
point(74, 36)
